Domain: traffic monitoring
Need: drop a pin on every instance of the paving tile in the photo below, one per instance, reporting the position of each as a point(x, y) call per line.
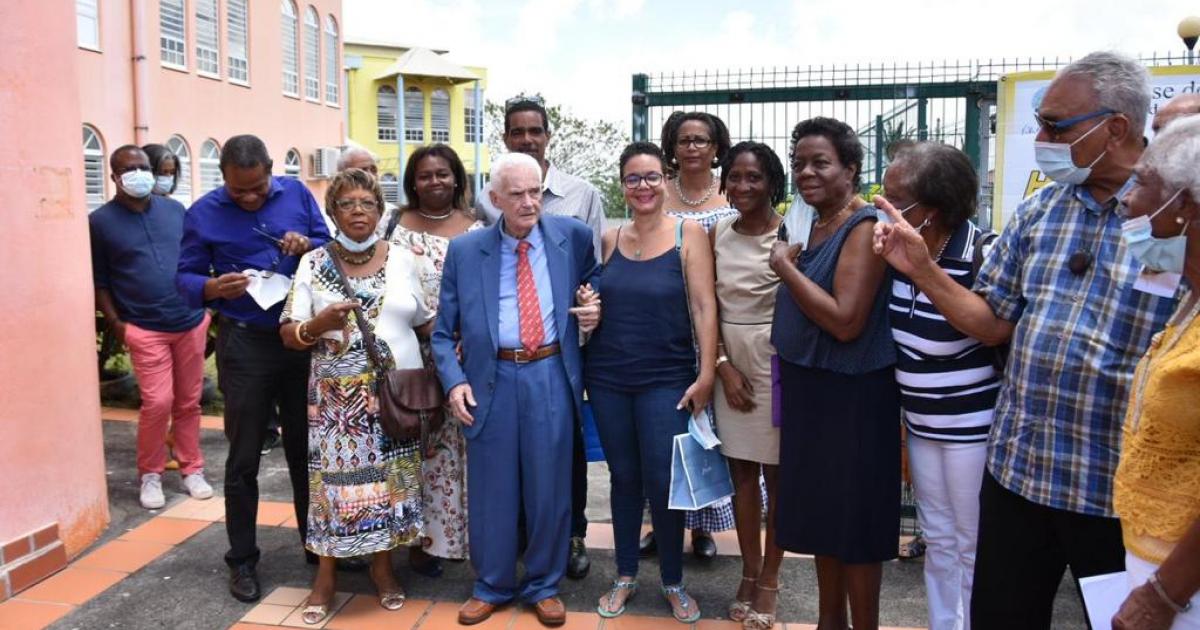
point(251, 626)
point(638, 622)
point(167, 531)
point(119, 414)
point(73, 586)
point(290, 522)
point(294, 620)
point(527, 620)
point(444, 615)
point(725, 624)
point(123, 555)
point(274, 513)
point(37, 568)
point(210, 510)
point(363, 612)
point(21, 615)
point(286, 596)
point(269, 614)
point(215, 423)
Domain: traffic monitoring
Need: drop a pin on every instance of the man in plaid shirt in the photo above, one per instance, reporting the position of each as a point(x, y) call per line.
point(1059, 285)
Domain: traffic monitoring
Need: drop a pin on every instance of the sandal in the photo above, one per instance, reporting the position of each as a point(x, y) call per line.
point(314, 614)
point(690, 610)
point(761, 621)
point(738, 608)
point(392, 600)
point(617, 586)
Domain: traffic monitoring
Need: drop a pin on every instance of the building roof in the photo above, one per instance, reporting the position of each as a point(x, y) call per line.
point(423, 62)
point(378, 43)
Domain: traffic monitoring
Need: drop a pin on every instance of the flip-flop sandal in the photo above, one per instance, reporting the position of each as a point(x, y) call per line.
point(685, 603)
point(617, 586)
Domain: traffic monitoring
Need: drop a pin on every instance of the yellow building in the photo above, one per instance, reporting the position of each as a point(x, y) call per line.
point(415, 94)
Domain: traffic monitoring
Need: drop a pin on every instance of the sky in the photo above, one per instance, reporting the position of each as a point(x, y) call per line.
point(581, 53)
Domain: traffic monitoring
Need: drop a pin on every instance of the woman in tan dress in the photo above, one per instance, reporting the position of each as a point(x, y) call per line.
point(435, 185)
point(754, 181)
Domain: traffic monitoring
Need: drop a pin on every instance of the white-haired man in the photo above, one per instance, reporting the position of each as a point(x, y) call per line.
point(360, 158)
point(1063, 288)
point(508, 294)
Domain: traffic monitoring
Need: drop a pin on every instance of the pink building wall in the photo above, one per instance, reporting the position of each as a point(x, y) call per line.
point(51, 448)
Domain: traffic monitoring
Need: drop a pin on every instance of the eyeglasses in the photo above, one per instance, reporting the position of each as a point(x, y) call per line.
point(1055, 127)
point(521, 99)
point(346, 205)
point(634, 180)
point(700, 142)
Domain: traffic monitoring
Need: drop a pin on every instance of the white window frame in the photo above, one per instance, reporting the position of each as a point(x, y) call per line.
point(210, 167)
point(178, 46)
point(289, 27)
point(390, 187)
point(439, 115)
point(333, 69)
point(386, 129)
point(95, 169)
point(208, 57)
point(237, 66)
point(291, 164)
point(414, 115)
point(471, 129)
point(312, 55)
point(183, 156)
point(87, 20)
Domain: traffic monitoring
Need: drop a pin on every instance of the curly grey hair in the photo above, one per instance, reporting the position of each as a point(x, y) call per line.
point(1121, 84)
point(1174, 154)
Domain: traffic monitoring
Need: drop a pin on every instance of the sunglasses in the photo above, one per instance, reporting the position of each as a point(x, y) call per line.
point(522, 99)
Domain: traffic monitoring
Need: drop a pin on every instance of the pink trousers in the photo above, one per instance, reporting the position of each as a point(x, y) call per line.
point(170, 374)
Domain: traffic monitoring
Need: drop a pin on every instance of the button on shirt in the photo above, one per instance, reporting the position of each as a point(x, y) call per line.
point(509, 314)
point(220, 237)
point(134, 256)
point(1056, 435)
point(563, 194)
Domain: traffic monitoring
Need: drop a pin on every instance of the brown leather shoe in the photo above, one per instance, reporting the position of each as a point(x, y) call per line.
point(475, 611)
point(551, 612)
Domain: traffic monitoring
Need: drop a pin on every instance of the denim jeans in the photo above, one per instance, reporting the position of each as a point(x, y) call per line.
point(636, 431)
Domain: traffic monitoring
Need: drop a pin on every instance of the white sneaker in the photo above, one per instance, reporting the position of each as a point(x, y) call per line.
point(152, 494)
point(197, 486)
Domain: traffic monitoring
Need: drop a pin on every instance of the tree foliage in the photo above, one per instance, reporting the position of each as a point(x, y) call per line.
point(589, 149)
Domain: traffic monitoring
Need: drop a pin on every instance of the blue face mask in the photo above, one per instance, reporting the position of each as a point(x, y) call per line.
point(137, 184)
point(163, 184)
point(1054, 160)
point(354, 246)
point(1156, 254)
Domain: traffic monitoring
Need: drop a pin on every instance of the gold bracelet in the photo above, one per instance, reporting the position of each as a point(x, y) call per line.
point(300, 335)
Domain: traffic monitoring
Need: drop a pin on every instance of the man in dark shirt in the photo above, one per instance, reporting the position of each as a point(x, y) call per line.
point(237, 241)
point(135, 249)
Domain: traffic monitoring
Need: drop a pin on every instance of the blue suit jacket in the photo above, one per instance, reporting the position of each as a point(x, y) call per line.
point(469, 308)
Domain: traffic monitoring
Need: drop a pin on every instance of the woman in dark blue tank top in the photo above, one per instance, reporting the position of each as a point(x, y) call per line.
point(643, 372)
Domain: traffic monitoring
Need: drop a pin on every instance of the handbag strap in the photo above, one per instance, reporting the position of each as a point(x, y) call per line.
point(367, 335)
point(687, 296)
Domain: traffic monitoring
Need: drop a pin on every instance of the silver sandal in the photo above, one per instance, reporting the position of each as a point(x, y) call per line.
point(617, 586)
point(685, 604)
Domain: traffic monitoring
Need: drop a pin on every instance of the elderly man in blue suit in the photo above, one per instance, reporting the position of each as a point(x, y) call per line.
point(516, 296)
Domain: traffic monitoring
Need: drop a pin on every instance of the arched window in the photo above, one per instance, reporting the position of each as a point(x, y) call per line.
point(210, 166)
point(172, 33)
point(333, 70)
point(312, 55)
point(439, 113)
point(291, 164)
point(414, 114)
point(94, 169)
point(385, 113)
point(183, 187)
point(236, 29)
point(391, 188)
point(208, 38)
point(291, 45)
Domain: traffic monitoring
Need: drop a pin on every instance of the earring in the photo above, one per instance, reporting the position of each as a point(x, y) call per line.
point(1180, 220)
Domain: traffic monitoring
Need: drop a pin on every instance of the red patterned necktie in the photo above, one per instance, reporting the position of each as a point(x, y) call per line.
point(528, 305)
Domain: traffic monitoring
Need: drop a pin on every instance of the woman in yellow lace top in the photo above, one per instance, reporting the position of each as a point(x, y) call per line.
point(1157, 486)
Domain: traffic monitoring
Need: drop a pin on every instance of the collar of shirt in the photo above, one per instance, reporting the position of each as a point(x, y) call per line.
point(534, 238)
point(553, 183)
point(1089, 202)
point(224, 198)
point(961, 245)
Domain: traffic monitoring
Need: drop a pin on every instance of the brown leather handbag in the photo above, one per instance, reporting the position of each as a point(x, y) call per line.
point(411, 402)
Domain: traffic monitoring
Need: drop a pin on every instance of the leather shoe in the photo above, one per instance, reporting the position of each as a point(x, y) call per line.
point(243, 583)
point(647, 546)
point(579, 563)
point(551, 612)
point(475, 611)
point(703, 545)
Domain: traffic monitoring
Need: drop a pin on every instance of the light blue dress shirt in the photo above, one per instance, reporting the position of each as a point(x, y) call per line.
point(510, 316)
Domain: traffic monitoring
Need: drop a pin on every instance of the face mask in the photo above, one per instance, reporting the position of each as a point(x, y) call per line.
point(163, 184)
point(354, 246)
point(1054, 160)
point(137, 184)
point(1156, 254)
point(883, 216)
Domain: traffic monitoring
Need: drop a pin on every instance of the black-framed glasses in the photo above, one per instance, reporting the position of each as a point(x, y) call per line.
point(521, 99)
point(700, 142)
point(633, 180)
point(1055, 127)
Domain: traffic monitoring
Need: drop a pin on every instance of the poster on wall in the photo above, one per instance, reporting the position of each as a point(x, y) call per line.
point(1017, 175)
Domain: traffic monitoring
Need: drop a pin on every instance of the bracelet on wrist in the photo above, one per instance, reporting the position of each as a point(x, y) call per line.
point(721, 359)
point(302, 335)
point(1162, 594)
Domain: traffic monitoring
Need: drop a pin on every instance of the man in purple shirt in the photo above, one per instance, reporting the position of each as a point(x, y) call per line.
point(262, 224)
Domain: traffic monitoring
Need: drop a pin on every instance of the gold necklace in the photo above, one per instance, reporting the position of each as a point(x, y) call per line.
point(352, 258)
point(817, 223)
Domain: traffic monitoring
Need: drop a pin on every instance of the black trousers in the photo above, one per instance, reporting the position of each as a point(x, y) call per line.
point(578, 486)
point(1022, 551)
point(257, 374)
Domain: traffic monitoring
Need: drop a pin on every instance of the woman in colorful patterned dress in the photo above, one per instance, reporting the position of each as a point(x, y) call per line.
point(435, 184)
point(364, 488)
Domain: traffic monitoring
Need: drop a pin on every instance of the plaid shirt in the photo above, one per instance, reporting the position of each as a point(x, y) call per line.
point(1057, 431)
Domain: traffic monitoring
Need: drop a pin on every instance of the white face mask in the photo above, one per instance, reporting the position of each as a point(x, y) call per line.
point(1054, 160)
point(163, 184)
point(1156, 254)
point(354, 246)
point(137, 184)
point(883, 216)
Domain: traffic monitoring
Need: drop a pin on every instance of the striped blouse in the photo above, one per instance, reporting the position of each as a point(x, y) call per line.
point(948, 381)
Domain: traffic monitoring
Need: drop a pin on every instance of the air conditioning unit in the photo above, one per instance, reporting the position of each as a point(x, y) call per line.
point(324, 162)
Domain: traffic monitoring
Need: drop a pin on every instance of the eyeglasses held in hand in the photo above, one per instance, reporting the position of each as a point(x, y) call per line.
point(634, 180)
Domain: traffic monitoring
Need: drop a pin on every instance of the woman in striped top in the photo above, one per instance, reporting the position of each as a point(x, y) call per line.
point(948, 381)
